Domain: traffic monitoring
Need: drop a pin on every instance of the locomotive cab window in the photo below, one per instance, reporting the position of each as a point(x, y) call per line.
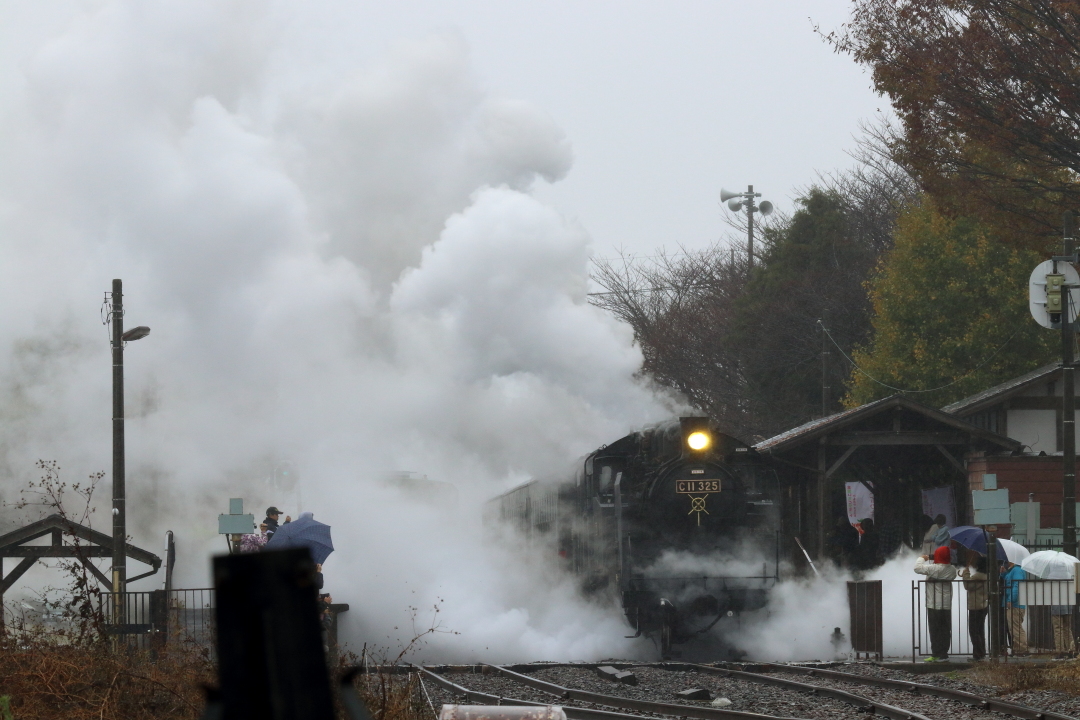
point(606, 476)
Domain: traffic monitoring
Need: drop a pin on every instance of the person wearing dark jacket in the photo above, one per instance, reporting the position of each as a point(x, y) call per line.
point(272, 515)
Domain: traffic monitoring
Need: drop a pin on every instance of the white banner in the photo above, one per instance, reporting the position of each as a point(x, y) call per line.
point(860, 502)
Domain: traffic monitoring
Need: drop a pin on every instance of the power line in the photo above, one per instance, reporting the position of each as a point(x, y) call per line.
point(940, 387)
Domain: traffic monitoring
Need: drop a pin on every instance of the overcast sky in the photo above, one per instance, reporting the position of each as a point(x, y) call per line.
point(664, 103)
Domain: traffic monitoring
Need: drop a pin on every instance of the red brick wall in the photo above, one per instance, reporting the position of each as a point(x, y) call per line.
point(1022, 475)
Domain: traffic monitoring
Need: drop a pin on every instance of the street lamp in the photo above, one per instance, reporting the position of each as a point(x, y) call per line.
point(119, 337)
point(735, 202)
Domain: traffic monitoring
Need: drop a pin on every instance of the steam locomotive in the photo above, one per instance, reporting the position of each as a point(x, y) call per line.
point(682, 521)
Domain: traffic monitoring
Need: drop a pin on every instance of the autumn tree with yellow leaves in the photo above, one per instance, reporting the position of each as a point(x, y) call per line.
point(950, 313)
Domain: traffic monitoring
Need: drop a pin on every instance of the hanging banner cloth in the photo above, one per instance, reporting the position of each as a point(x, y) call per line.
point(860, 503)
point(939, 501)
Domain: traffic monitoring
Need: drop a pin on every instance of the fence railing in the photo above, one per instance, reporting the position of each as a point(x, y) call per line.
point(1046, 624)
point(191, 616)
point(1044, 544)
point(155, 618)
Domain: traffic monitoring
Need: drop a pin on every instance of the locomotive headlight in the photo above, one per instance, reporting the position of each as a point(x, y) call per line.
point(698, 440)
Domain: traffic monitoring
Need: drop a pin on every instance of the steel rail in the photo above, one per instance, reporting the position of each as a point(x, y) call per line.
point(863, 703)
point(1002, 706)
point(572, 713)
point(683, 711)
point(885, 710)
point(468, 694)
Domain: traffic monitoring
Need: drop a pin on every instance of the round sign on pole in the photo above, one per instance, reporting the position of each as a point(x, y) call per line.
point(1037, 291)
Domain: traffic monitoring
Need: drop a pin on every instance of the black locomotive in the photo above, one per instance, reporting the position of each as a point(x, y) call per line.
point(681, 520)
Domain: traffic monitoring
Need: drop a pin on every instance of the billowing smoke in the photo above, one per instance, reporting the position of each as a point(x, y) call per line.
point(804, 612)
point(344, 273)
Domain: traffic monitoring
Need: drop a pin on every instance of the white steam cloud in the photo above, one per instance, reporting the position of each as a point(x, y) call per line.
point(344, 273)
point(803, 613)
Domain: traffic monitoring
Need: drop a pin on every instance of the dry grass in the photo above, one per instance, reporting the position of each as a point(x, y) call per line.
point(45, 680)
point(392, 696)
point(1015, 676)
point(59, 663)
point(42, 678)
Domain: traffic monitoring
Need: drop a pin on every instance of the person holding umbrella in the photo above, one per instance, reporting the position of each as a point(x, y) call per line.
point(1061, 619)
point(1056, 565)
point(978, 606)
point(306, 532)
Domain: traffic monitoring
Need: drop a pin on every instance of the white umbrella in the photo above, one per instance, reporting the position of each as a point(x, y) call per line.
point(1014, 551)
point(1050, 565)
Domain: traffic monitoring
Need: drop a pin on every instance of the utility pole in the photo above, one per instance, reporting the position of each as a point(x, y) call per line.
point(736, 202)
point(750, 195)
point(119, 526)
point(1068, 419)
point(119, 558)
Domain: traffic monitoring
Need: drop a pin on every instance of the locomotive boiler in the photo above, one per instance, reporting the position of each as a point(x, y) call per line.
point(680, 520)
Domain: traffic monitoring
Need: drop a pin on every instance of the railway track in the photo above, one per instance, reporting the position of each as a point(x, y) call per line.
point(971, 699)
point(756, 691)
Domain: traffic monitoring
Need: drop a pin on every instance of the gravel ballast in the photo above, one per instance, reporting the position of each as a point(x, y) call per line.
point(662, 685)
point(1042, 699)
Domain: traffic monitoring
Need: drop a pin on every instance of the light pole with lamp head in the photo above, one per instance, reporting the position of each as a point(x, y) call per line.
point(119, 337)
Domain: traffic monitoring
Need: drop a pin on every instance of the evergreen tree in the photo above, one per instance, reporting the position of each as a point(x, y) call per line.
point(815, 267)
point(747, 350)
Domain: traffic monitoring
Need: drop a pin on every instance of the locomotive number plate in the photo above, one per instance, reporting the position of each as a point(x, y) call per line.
point(697, 486)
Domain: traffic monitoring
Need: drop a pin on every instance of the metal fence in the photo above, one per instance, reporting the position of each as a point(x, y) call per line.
point(156, 618)
point(191, 617)
point(1043, 544)
point(1046, 624)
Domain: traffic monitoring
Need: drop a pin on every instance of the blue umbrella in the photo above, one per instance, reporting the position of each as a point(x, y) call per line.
point(974, 538)
point(304, 532)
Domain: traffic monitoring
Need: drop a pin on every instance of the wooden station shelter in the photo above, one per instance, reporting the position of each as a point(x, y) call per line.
point(82, 544)
point(896, 447)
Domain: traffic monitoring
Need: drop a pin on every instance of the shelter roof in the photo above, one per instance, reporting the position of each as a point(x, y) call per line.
point(992, 396)
point(98, 544)
point(850, 420)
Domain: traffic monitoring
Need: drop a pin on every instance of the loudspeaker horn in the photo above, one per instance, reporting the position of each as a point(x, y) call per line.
point(765, 207)
point(734, 205)
point(726, 195)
